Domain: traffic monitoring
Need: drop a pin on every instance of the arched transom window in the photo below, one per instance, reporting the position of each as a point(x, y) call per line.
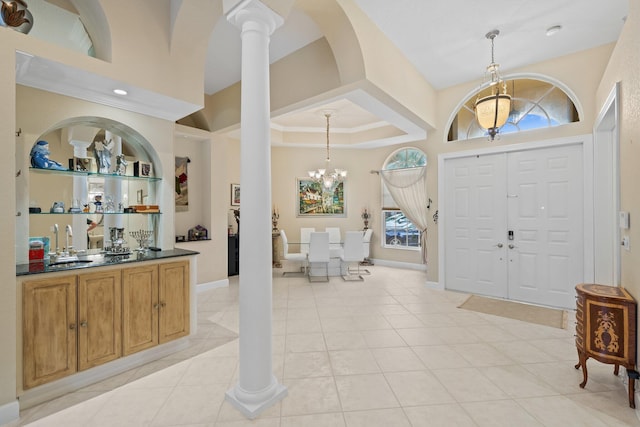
point(535, 104)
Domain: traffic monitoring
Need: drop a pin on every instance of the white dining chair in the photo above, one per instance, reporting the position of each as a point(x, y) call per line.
point(319, 253)
point(293, 256)
point(366, 246)
point(352, 252)
point(335, 238)
point(305, 235)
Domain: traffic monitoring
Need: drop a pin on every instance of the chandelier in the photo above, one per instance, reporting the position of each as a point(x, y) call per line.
point(492, 111)
point(323, 176)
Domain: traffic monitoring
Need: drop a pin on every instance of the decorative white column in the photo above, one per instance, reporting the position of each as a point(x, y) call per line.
point(257, 387)
point(80, 194)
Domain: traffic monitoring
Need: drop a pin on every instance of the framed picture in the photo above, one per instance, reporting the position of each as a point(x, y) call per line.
point(142, 169)
point(316, 200)
point(235, 194)
point(182, 184)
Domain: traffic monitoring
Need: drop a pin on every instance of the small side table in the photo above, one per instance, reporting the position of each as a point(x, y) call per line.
point(606, 330)
point(275, 261)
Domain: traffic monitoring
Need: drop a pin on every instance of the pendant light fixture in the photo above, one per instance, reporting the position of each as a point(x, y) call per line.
point(322, 176)
point(492, 111)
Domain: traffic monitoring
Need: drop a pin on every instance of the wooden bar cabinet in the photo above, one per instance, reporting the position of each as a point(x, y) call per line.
point(606, 330)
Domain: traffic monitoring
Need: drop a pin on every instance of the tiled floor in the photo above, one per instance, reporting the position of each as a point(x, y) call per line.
point(385, 352)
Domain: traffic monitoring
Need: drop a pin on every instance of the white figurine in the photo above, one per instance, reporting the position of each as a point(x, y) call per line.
point(102, 152)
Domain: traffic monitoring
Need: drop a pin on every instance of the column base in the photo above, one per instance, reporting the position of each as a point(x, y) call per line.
point(253, 404)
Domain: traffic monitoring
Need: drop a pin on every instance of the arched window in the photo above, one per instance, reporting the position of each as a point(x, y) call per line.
point(535, 104)
point(398, 231)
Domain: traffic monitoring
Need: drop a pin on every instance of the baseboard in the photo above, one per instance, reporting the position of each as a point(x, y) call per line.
point(9, 412)
point(398, 264)
point(201, 287)
point(435, 285)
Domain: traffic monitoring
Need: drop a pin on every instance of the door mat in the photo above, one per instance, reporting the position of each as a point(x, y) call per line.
point(546, 316)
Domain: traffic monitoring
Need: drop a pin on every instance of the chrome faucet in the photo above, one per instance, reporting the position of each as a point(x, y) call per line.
point(69, 233)
point(55, 231)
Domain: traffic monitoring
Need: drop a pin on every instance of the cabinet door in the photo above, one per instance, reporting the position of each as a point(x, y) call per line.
point(174, 300)
point(99, 318)
point(49, 330)
point(139, 308)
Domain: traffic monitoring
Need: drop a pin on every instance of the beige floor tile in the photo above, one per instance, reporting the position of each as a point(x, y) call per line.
point(168, 377)
point(371, 322)
point(404, 321)
point(449, 415)
point(338, 324)
point(74, 416)
point(191, 405)
point(364, 392)
point(559, 411)
point(436, 320)
point(352, 362)
point(131, 408)
point(524, 352)
point(266, 422)
point(210, 370)
point(482, 354)
point(517, 382)
point(310, 396)
point(419, 336)
point(469, 385)
point(566, 379)
point(456, 335)
point(316, 420)
point(491, 333)
point(300, 343)
point(344, 340)
point(377, 418)
point(612, 407)
point(502, 413)
point(383, 338)
point(303, 326)
point(307, 365)
point(417, 388)
point(395, 359)
point(440, 357)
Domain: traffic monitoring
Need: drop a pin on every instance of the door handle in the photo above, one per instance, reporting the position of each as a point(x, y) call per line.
point(511, 246)
point(499, 245)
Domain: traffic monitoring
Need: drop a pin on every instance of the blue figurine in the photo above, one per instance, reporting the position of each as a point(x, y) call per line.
point(40, 157)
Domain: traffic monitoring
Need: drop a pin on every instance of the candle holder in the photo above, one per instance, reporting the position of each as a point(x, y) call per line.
point(365, 217)
point(275, 216)
point(142, 237)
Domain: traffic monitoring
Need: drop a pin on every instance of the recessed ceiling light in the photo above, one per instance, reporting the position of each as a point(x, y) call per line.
point(120, 91)
point(554, 29)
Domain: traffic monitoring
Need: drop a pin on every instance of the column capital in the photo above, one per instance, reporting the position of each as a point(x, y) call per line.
point(80, 144)
point(245, 11)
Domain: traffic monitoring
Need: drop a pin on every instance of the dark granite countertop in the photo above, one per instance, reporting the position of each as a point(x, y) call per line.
point(96, 259)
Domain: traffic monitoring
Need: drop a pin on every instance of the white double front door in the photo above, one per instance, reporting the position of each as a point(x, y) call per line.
point(514, 224)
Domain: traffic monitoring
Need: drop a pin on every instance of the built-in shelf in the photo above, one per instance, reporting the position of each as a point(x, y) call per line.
point(95, 213)
point(93, 174)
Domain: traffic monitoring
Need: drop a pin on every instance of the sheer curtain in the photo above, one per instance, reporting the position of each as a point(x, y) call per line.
point(408, 188)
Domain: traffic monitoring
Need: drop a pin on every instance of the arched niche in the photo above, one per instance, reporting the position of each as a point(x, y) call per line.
point(134, 144)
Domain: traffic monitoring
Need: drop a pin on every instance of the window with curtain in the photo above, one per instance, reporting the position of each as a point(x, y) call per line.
point(398, 231)
point(535, 104)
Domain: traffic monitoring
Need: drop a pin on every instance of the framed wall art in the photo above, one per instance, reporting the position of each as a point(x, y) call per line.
point(316, 200)
point(182, 184)
point(235, 194)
